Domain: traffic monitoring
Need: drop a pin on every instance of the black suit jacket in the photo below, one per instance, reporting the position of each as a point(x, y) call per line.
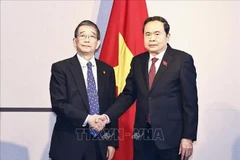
point(70, 103)
point(172, 102)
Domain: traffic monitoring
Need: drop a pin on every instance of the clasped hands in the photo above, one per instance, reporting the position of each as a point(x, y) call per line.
point(97, 122)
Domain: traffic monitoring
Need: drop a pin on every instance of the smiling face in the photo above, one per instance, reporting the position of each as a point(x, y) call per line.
point(86, 41)
point(155, 37)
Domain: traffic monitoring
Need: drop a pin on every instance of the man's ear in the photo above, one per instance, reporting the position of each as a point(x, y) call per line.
point(98, 44)
point(74, 42)
point(168, 37)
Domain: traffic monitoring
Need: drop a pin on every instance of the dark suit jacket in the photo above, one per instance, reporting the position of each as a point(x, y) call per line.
point(70, 103)
point(172, 102)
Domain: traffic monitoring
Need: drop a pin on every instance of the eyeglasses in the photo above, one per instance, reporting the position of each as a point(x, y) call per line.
point(84, 36)
point(155, 35)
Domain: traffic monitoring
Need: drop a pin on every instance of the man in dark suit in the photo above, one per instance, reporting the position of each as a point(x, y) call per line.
point(82, 87)
point(163, 83)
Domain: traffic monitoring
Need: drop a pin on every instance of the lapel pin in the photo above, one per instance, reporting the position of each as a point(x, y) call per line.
point(104, 72)
point(165, 63)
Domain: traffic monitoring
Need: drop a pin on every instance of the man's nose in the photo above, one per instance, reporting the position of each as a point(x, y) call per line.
point(152, 37)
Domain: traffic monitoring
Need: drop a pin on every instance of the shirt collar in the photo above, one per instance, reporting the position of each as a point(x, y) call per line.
point(159, 56)
point(83, 62)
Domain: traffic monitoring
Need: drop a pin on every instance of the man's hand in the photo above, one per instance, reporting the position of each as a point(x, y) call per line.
point(110, 152)
point(102, 118)
point(95, 123)
point(186, 149)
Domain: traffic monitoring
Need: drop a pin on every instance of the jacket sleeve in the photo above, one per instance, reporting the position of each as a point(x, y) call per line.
point(113, 131)
point(189, 97)
point(59, 97)
point(126, 98)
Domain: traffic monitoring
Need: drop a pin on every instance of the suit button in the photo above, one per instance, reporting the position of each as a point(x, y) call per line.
point(149, 98)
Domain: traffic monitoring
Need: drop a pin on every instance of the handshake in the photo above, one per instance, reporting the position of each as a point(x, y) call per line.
point(97, 122)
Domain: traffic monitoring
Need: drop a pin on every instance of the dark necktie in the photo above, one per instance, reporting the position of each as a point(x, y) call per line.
point(151, 75)
point(92, 95)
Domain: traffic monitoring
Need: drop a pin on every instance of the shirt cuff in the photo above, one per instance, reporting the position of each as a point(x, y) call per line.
point(85, 122)
point(108, 120)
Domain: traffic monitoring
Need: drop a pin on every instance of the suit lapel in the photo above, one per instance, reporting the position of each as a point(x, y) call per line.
point(76, 70)
point(145, 69)
point(100, 77)
point(166, 61)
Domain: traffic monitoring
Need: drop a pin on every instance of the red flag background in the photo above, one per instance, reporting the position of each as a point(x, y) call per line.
point(123, 40)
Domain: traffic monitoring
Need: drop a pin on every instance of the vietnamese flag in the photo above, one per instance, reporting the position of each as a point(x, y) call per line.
point(123, 40)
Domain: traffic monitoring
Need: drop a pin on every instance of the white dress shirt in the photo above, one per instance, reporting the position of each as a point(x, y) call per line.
point(83, 62)
point(158, 62)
